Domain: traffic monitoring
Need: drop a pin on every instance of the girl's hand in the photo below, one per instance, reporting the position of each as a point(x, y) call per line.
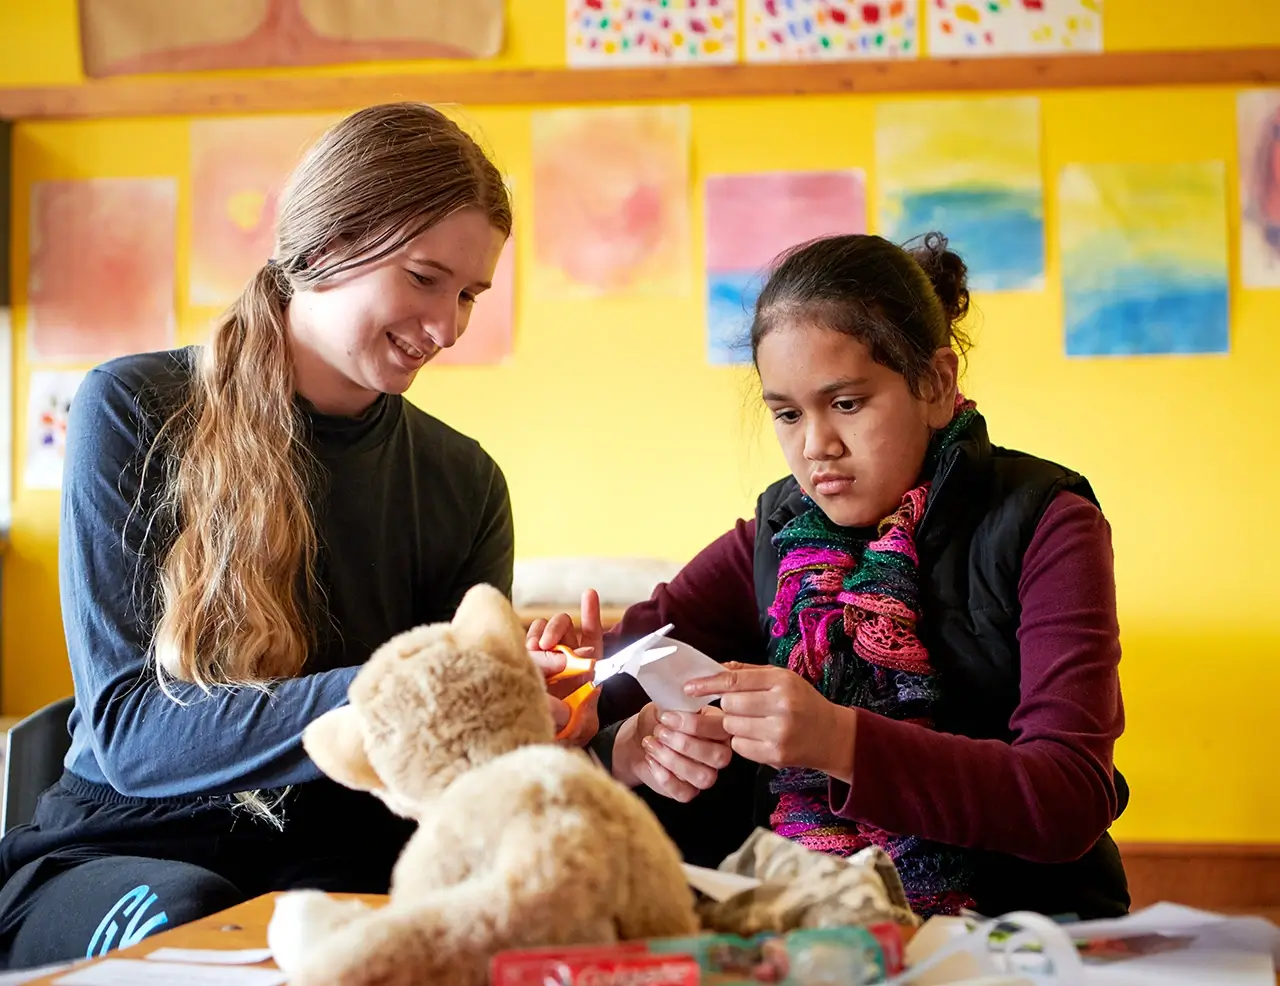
point(545, 635)
point(775, 717)
point(542, 637)
point(677, 754)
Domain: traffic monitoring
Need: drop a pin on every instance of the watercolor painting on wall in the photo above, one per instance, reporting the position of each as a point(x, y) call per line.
point(49, 394)
point(751, 218)
point(830, 30)
point(1259, 121)
point(1144, 258)
point(969, 169)
point(129, 36)
point(101, 281)
point(611, 201)
point(1012, 27)
point(238, 170)
point(616, 33)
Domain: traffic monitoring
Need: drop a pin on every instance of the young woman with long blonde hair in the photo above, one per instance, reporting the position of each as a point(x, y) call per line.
point(242, 524)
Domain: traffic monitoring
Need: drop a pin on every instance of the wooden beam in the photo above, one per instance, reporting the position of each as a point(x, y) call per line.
point(203, 95)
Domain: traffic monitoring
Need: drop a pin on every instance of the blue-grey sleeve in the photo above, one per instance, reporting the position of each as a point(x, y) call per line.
point(145, 743)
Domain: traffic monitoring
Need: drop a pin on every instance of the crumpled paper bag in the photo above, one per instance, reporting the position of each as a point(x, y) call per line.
point(805, 889)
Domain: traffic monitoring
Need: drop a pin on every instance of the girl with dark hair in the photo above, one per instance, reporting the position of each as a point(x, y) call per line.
point(918, 628)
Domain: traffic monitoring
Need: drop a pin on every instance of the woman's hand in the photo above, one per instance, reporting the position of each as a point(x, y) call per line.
point(677, 754)
point(775, 717)
point(542, 637)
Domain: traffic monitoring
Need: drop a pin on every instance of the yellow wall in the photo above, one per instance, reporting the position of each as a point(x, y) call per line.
point(1181, 451)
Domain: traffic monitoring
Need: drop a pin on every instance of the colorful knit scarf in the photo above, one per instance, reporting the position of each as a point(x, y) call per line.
point(844, 619)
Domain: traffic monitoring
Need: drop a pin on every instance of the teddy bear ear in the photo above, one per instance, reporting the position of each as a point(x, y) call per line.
point(485, 619)
point(335, 742)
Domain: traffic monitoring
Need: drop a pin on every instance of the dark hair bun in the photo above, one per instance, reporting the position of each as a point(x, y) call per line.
point(946, 271)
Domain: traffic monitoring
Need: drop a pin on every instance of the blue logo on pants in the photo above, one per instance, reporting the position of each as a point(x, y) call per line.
point(133, 905)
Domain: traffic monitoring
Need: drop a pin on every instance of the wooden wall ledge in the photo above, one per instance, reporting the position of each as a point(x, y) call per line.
point(239, 94)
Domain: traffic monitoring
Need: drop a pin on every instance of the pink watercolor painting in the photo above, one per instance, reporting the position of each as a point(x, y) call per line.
point(487, 341)
point(750, 220)
point(129, 36)
point(611, 201)
point(101, 279)
point(238, 170)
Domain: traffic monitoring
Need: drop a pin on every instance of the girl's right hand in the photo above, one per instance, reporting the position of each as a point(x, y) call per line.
point(677, 754)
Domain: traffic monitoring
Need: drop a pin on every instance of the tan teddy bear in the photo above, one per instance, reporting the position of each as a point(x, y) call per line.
point(520, 841)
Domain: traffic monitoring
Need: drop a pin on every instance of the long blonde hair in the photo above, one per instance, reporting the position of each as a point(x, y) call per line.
point(237, 596)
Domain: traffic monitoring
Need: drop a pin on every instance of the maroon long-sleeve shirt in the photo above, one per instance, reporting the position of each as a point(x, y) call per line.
point(1048, 795)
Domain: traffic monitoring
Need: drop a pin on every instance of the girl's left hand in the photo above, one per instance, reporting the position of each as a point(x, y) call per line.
point(776, 718)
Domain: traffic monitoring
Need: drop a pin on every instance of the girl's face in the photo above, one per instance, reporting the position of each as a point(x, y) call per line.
point(853, 434)
point(370, 330)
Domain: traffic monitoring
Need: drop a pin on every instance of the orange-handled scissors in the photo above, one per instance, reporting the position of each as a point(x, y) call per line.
point(603, 670)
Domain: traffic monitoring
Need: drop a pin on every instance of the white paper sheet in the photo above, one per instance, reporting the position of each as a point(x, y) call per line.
point(211, 956)
point(1212, 932)
point(664, 671)
point(1193, 967)
point(141, 972)
point(20, 976)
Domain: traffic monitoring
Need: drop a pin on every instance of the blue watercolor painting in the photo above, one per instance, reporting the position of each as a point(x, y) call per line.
point(1144, 258)
point(969, 169)
point(731, 300)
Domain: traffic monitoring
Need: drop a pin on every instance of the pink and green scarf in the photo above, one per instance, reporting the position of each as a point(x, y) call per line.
point(844, 619)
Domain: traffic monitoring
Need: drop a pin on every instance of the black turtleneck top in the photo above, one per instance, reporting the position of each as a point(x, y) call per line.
point(410, 515)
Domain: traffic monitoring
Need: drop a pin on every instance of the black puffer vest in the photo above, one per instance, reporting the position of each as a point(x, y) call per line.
point(983, 509)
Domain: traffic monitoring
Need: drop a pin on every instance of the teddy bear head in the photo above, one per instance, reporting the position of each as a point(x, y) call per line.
point(434, 703)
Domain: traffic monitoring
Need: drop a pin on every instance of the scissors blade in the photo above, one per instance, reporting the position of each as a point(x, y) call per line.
point(607, 668)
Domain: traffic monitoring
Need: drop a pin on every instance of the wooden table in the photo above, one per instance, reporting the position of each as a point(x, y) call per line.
point(243, 926)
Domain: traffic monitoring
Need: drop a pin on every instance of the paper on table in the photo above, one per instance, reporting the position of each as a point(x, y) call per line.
point(1195, 967)
point(1209, 931)
point(664, 671)
point(20, 976)
point(140, 972)
point(211, 956)
point(717, 884)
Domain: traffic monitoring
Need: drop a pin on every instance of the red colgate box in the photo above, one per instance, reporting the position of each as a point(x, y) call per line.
point(626, 964)
point(859, 955)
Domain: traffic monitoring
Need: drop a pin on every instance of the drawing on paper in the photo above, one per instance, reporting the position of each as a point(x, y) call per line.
point(971, 170)
point(238, 171)
point(822, 30)
point(49, 395)
point(101, 280)
point(611, 201)
point(751, 219)
point(1258, 111)
point(130, 36)
point(605, 33)
point(1012, 27)
point(1144, 258)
